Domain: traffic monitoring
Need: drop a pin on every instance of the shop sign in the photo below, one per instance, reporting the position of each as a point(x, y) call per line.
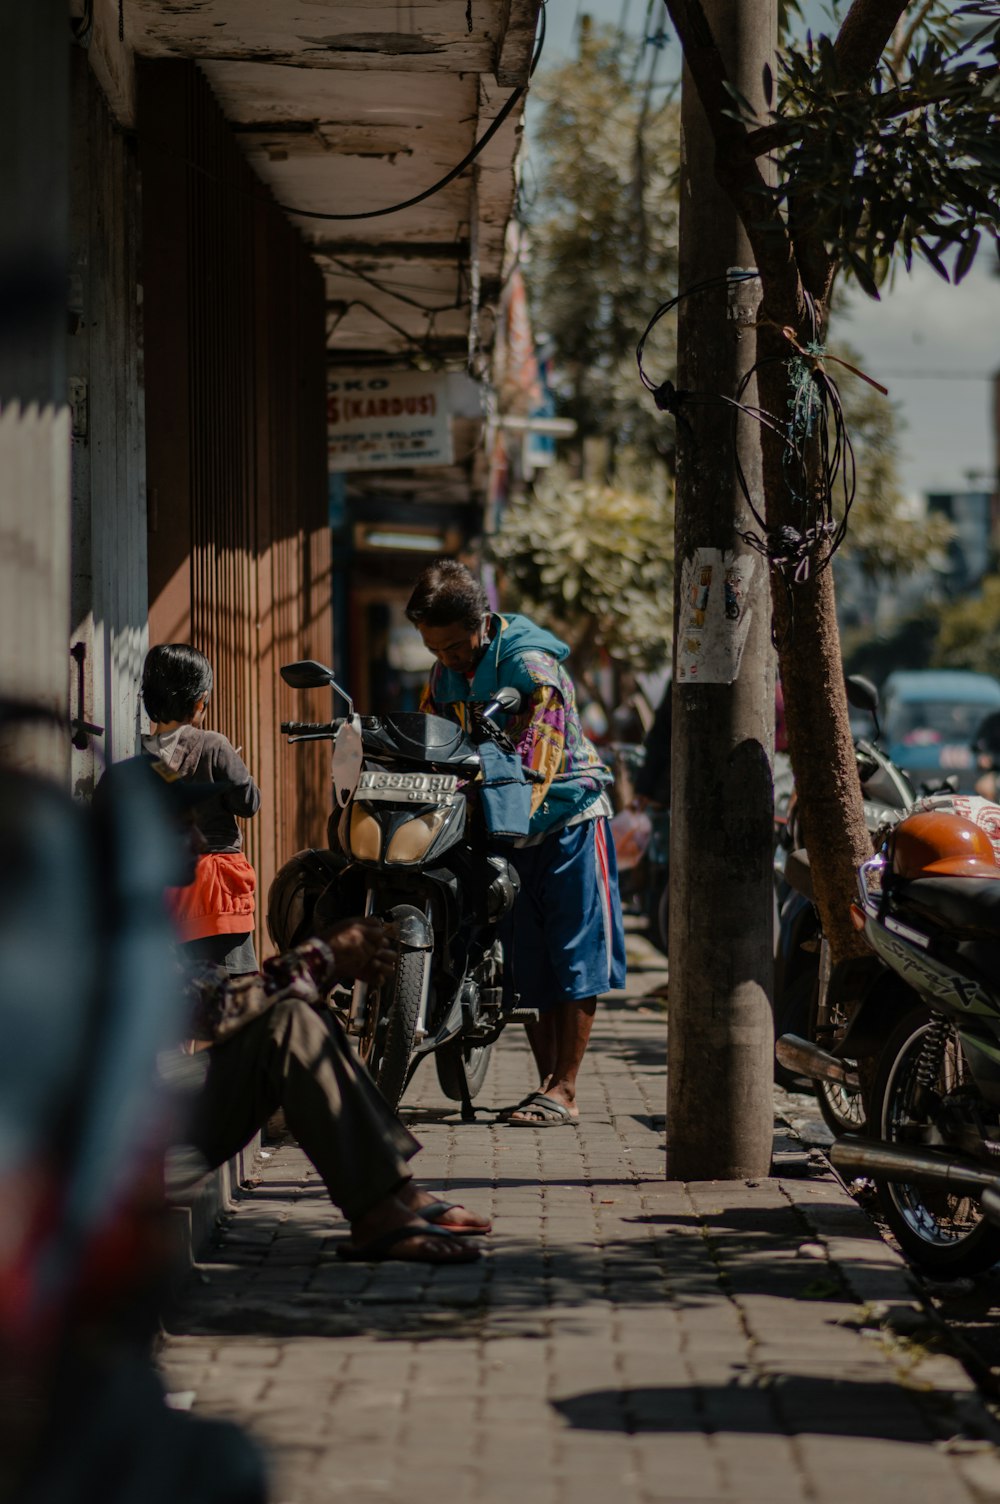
point(387, 420)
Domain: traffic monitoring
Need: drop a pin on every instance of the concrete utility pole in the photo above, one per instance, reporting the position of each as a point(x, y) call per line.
point(720, 1041)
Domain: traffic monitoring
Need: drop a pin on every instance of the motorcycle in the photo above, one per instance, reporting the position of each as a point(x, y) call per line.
point(812, 1000)
point(929, 907)
point(405, 845)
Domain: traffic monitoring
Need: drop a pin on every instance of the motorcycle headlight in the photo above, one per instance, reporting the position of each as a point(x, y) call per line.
point(365, 835)
point(411, 842)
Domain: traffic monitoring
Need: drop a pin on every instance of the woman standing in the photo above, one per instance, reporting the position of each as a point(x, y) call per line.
point(568, 942)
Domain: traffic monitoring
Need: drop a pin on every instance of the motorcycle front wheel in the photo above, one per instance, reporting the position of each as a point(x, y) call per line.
point(942, 1231)
point(393, 1009)
point(461, 1059)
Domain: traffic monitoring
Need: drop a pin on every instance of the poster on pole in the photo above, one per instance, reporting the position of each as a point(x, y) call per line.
point(714, 616)
point(387, 420)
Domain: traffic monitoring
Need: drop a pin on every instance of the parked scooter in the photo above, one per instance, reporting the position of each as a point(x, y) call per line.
point(811, 1000)
point(929, 905)
point(405, 845)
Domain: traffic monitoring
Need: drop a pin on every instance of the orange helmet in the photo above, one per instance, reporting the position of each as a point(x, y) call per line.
point(941, 845)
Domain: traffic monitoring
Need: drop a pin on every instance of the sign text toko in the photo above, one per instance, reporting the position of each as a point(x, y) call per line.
point(387, 420)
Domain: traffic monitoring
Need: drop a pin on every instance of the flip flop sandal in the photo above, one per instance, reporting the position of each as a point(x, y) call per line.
point(379, 1250)
point(554, 1114)
point(435, 1211)
point(504, 1114)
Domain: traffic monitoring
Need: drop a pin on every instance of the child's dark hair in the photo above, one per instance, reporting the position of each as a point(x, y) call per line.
point(446, 592)
point(175, 676)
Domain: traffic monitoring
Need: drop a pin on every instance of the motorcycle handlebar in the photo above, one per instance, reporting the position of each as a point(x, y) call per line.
point(296, 728)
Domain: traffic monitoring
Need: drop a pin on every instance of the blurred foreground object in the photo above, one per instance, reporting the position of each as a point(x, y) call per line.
point(88, 1000)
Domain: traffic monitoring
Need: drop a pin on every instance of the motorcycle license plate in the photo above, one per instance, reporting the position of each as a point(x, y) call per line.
point(420, 788)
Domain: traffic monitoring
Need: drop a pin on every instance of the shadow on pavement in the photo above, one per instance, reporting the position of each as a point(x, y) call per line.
point(790, 1405)
point(262, 1280)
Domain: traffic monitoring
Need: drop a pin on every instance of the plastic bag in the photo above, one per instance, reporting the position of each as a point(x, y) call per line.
point(631, 829)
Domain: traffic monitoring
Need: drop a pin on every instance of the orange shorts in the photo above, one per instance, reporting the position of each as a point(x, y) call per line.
point(220, 901)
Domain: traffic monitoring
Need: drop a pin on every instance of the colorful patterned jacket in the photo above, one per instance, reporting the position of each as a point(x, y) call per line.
point(546, 731)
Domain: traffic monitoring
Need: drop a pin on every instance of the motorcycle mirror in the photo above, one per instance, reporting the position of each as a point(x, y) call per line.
point(861, 693)
point(308, 674)
point(507, 698)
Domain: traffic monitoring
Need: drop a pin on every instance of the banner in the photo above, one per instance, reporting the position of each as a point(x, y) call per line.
point(386, 420)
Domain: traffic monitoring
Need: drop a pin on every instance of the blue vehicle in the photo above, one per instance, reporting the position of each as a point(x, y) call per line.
point(930, 718)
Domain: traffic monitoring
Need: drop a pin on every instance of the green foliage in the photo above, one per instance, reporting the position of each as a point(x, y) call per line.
point(882, 535)
point(604, 236)
point(909, 161)
point(594, 561)
point(603, 253)
point(969, 635)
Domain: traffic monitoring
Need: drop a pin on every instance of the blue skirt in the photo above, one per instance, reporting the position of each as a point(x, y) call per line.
point(565, 937)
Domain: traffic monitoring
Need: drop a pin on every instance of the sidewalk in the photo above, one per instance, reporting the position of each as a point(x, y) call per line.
point(625, 1339)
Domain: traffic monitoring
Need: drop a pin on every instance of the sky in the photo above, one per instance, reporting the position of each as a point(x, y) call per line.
point(934, 346)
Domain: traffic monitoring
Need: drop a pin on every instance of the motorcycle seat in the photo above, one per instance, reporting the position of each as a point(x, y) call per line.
point(969, 907)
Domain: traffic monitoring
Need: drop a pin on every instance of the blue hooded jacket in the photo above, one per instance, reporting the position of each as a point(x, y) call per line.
point(525, 657)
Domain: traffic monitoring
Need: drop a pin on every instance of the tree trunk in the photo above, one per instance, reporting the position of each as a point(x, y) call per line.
point(812, 678)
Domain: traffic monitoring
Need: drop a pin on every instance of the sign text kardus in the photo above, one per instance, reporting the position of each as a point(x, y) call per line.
point(388, 420)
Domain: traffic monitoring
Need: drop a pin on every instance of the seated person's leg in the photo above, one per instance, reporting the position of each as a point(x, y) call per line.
point(298, 1059)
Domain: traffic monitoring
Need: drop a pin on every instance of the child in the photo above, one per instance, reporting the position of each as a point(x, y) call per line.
point(214, 916)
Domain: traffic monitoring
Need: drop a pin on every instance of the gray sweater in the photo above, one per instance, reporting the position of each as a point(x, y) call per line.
point(209, 757)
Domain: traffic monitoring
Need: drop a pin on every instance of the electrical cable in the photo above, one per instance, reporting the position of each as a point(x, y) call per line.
point(409, 203)
point(387, 288)
point(449, 177)
point(418, 198)
point(818, 461)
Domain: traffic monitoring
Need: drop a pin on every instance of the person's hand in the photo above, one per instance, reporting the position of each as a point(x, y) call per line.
point(361, 948)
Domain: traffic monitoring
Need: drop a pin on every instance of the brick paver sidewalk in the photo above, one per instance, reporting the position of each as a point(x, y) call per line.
point(625, 1339)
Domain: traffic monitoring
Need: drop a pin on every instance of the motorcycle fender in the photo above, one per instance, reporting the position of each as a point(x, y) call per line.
point(798, 924)
point(414, 930)
point(343, 897)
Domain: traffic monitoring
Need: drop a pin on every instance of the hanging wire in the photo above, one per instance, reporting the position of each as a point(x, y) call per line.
point(666, 396)
point(409, 203)
point(391, 289)
point(449, 177)
point(817, 458)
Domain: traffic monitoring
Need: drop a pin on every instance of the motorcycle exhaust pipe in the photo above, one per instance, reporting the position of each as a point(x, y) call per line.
point(859, 1156)
point(808, 1059)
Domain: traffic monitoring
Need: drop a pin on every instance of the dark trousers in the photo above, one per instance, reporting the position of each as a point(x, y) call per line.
point(298, 1059)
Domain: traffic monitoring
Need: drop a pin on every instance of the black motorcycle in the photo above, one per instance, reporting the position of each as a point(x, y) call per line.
point(812, 1003)
point(407, 844)
point(929, 905)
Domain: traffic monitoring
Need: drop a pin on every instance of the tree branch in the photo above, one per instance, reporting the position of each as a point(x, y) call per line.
point(735, 166)
point(865, 34)
point(888, 106)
